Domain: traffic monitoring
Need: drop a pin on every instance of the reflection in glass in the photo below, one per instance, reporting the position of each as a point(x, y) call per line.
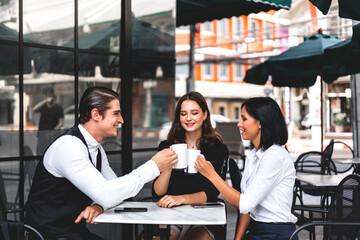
point(99, 25)
point(49, 22)
point(9, 101)
point(9, 26)
point(48, 91)
point(9, 184)
point(153, 42)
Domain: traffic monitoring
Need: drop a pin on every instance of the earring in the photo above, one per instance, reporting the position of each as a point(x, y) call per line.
point(259, 126)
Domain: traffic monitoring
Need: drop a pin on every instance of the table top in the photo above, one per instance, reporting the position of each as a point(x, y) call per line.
point(321, 180)
point(182, 215)
point(347, 160)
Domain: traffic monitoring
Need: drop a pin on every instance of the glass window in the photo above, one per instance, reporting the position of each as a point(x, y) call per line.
point(208, 26)
point(9, 26)
point(254, 28)
point(208, 69)
point(9, 101)
point(237, 27)
point(52, 23)
point(237, 113)
point(223, 71)
point(99, 25)
point(182, 69)
point(48, 91)
point(153, 72)
point(268, 31)
point(222, 111)
point(239, 71)
point(223, 26)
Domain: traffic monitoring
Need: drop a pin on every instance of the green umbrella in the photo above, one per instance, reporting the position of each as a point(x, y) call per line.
point(341, 59)
point(191, 12)
point(347, 8)
point(297, 67)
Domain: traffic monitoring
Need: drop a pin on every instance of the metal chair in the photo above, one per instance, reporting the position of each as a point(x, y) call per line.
point(312, 162)
point(342, 217)
point(235, 177)
point(14, 230)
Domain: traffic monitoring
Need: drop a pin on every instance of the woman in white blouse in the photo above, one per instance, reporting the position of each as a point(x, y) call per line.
point(269, 175)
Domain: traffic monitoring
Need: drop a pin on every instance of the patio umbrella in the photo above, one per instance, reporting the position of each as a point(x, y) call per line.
point(148, 43)
point(341, 59)
point(347, 8)
point(191, 12)
point(9, 65)
point(297, 67)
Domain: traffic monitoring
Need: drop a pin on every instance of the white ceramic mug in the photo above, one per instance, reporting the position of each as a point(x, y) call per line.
point(192, 156)
point(181, 150)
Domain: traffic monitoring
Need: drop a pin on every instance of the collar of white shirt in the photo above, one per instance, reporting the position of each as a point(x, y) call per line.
point(90, 140)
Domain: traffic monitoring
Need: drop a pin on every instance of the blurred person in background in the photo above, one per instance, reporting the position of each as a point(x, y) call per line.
point(51, 118)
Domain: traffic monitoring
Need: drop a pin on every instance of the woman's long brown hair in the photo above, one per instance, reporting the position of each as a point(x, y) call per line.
point(177, 132)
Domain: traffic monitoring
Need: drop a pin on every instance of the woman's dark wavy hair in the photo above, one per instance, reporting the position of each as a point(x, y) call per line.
point(177, 132)
point(273, 126)
point(95, 97)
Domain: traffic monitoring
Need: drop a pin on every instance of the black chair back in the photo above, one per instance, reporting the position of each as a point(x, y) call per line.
point(345, 207)
point(235, 177)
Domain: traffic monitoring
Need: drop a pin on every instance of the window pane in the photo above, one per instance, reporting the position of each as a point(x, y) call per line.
point(153, 36)
point(9, 26)
point(153, 105)
point(9, 101)
point(99, 25)
point(48, 91)
point(154, 28)
point(51, 22)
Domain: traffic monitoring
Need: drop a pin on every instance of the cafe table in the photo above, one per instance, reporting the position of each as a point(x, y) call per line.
point(347, 160)
point(180, 215)
point(321, 180)
point(354, 161)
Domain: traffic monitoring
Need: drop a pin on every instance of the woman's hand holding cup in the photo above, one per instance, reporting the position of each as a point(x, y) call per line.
point(204, 167)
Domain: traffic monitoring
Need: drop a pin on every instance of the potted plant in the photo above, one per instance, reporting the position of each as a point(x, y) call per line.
point(339, 121)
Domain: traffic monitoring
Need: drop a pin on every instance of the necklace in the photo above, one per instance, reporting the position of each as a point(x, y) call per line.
point(191, 146)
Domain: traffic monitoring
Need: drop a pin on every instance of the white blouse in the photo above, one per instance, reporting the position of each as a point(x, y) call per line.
point(267, 185)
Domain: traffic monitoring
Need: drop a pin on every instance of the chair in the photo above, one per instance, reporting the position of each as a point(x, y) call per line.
point(14, 230)
point(235, 177)
point(230, 133)
point(342, 217)
point(313, 162)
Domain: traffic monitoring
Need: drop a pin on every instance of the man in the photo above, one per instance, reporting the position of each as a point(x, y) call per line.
point(71, 175)
point(51, 118)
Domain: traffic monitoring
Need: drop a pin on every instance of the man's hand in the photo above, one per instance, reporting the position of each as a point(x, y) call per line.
point(204, 167)
point(90, 213)
point(165, 159)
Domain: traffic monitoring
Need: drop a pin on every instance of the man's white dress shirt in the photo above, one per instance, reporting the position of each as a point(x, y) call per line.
point(267, 185)
point(68, 158)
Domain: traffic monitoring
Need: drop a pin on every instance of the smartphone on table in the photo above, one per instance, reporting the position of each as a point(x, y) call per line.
point(207, 204)
point(130, 209)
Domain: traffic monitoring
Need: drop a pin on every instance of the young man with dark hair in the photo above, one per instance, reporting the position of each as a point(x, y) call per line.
point(75, 172)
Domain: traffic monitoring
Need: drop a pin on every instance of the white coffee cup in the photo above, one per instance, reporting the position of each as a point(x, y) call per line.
point(192, 156)
point(181, 150)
